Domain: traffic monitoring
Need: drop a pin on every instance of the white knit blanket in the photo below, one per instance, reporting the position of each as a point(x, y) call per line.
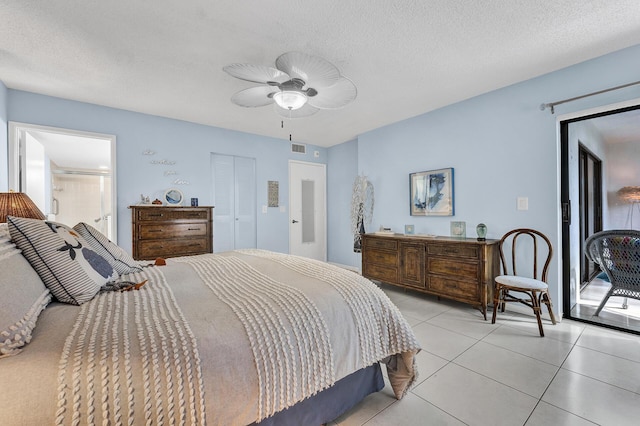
point(288, 335)
point(382, 330)
point(100, 382)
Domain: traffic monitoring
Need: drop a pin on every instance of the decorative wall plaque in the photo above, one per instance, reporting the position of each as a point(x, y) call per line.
point(273, 193)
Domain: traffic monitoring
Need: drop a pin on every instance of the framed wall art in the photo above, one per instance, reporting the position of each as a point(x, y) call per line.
point(432, 193)
point(459, 229)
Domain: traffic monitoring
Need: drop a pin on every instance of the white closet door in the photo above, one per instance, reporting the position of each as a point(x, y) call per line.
point(245, 202)
point(234, 198)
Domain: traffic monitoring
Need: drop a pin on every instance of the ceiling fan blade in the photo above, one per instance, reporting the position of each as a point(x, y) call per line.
point(254, 96)
point(314, 70)
point(256, 73)
point(336, 96)
point(304, 111)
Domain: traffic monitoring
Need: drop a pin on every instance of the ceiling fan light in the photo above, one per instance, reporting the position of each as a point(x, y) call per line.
point(290, 99)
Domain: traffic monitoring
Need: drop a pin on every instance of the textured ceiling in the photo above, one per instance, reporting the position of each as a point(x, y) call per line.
point(408, 57)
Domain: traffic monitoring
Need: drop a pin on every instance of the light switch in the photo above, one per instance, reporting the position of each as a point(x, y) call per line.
point(523, 203)
point(264, 209)
point(283, 209)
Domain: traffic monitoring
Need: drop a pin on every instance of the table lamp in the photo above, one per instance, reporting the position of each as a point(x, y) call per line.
point(18, 204)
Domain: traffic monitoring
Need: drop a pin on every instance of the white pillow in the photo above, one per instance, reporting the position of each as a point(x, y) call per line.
point(119, 259)
point(64, 260)
point(24, 296)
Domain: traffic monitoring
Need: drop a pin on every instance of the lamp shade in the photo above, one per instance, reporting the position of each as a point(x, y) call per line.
point(18, 204)
point(630, 194)
point(290, 99)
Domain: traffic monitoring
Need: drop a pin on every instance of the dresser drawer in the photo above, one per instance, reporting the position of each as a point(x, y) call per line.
point(380, 273)
point(153, 214)
point(454, 250)
point(167, 213)
point(381, 243)
point(172, 248)
point(457, 268)
point(188, 214)
point(381, 257)
point(453, 288)
point(152, 231)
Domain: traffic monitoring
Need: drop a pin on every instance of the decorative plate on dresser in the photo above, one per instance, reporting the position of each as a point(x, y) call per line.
point(171, 231)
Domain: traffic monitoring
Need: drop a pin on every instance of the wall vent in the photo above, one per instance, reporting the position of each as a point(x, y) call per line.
point(298, 148)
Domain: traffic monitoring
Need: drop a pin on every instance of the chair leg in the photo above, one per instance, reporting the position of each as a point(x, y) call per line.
point(547, 301)
point(496, 301)
point(604, 301)
point(535, 302)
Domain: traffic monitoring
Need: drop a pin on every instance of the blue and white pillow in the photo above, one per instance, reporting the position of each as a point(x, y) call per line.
point(119, 259)
point(64, 260)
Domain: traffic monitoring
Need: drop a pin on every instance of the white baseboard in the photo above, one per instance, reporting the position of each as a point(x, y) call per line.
point(349, 267)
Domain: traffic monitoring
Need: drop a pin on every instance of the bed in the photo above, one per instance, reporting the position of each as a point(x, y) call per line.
point(237, 338)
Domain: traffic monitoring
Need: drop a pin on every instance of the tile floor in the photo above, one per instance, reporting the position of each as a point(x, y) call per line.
point(612, 314)
point(475, 373)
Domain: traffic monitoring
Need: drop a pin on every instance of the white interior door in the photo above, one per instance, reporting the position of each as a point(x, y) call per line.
point(307, 210)
point(234, 184)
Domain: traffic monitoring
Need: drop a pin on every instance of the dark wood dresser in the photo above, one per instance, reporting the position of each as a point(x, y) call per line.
point(461, 269)
point(171, 231)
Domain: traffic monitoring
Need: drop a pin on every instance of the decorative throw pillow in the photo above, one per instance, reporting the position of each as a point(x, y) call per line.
point(24, 296)
point(119, 259)
point(64, 260)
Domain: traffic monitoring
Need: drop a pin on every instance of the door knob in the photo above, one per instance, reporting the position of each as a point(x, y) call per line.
point(294, 221)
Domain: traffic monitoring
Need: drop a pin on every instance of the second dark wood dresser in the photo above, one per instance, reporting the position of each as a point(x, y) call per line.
point(171, 231)
point(461, 269)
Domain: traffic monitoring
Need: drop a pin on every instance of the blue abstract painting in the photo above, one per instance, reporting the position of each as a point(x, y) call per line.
point(432, 193)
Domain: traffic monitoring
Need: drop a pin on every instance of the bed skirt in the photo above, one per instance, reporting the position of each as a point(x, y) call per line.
point(332, 402)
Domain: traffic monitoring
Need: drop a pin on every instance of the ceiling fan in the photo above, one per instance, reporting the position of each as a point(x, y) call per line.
point(299, 86)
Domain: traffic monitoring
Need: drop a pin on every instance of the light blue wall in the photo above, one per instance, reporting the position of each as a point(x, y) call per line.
point(189, 145)
point(501, 146)
point(341, 173)
point(4, 147)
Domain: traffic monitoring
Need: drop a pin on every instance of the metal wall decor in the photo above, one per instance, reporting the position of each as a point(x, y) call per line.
point(273, 193)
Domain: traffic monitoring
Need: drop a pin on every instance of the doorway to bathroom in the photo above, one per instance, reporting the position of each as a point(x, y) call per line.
point(69, 174)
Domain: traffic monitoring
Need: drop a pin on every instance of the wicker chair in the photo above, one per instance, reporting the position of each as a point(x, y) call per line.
point(618, 254)
point(535, 244)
